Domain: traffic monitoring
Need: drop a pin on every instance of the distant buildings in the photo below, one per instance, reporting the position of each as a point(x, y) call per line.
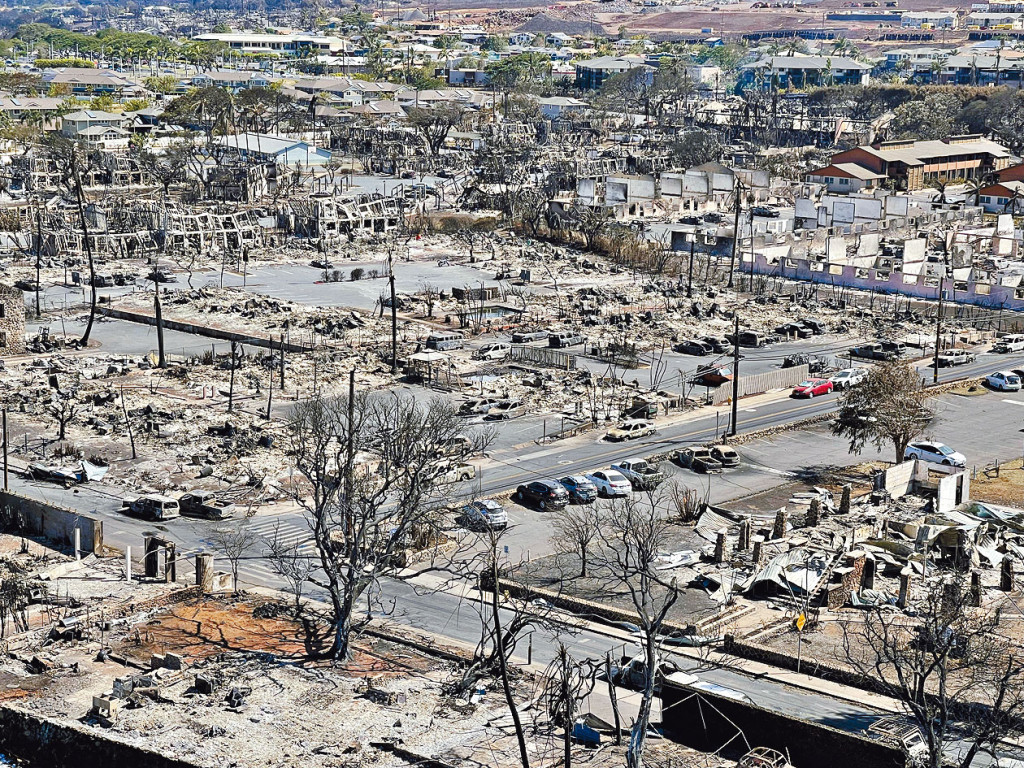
point(289, 45)
point(802, 71)
point(930, 20)
point(592, 73)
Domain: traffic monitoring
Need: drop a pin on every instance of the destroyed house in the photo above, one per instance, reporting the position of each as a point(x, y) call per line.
point(12, 320)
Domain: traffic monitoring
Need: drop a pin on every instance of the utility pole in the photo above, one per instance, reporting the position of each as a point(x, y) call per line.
point(39, 265)
point(7, 485)
point(735, 377)
point(735, 232)
point(938, 327)
point(281, 347)
point(689, 271)
point(270, 394)
point(231, 382)
point(394, 316)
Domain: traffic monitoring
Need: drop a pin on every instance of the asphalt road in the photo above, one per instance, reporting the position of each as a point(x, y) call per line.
point(994, 433)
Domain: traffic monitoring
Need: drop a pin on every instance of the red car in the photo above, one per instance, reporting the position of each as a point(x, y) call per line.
point(812, 387)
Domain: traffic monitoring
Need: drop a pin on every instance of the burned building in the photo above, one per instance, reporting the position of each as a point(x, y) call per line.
point(12, 320)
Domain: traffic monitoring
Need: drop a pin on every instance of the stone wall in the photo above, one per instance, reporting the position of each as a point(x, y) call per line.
point(54, 523)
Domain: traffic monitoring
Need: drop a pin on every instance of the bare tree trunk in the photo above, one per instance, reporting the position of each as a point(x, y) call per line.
point(80, 195)
point(499, 646)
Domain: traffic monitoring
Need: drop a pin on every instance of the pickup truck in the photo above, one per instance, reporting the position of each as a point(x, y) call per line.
point(453, 473)
point(876, 351)
point(205, 504)
point(641, 473)
point(954, 357)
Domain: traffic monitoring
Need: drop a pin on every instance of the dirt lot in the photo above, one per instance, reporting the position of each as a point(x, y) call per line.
point(1002, 485)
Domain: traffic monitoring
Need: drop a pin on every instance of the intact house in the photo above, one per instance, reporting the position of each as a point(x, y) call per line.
point(554, 107)
point(1003, 197)
point(83, 123)
point(845, 177)
point(801, 71)
point(913, 164)
point(274, 149)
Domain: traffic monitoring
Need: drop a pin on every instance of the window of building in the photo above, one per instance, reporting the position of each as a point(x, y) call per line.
point(844, 182)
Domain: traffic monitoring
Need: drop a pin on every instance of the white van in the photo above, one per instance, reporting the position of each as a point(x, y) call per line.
point(155, 507)
point(445, 340)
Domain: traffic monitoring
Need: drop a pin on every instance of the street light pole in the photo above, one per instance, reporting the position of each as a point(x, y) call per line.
point(735, 378)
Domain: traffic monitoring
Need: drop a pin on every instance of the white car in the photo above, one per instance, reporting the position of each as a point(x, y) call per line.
point(497, 350)
point(849, 377)
point(1005, 381)
point(937, 453)
point(610, 483)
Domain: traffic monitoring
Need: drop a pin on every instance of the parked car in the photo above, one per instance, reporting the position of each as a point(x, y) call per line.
point(631, 673)
point(812, 388)
point(713, 218)
point(954, 357)
point(643, 475)
point(610, 483)
point(816, 326)
point(751, 339)
point(878, 350)
point(1013, 342)
point(563, 339)
point(580, 489)
point(1005, 381)
point(849, 377)
point(543, 494)
point(631, 430)
point(453, 472)
point(483, 513)
point(895, 349)
point(799, 330)
point(497, 350)
point(479, 405)
point(725, 455)
point(904, 735)
point(205, 504)
point(525, 337)
point(937, 453)
point(155, 507)
point(764, 212)
point(506, 409)
point(693, 347)
point(719, 344)
point(713, 375)
point(698, 459)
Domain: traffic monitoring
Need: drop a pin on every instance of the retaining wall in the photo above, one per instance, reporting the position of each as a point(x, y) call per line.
point(707, 721)
point(55, 523)
point(54, 744)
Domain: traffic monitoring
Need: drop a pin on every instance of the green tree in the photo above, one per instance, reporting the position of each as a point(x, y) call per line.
point(890, 407)
point(495, 43)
